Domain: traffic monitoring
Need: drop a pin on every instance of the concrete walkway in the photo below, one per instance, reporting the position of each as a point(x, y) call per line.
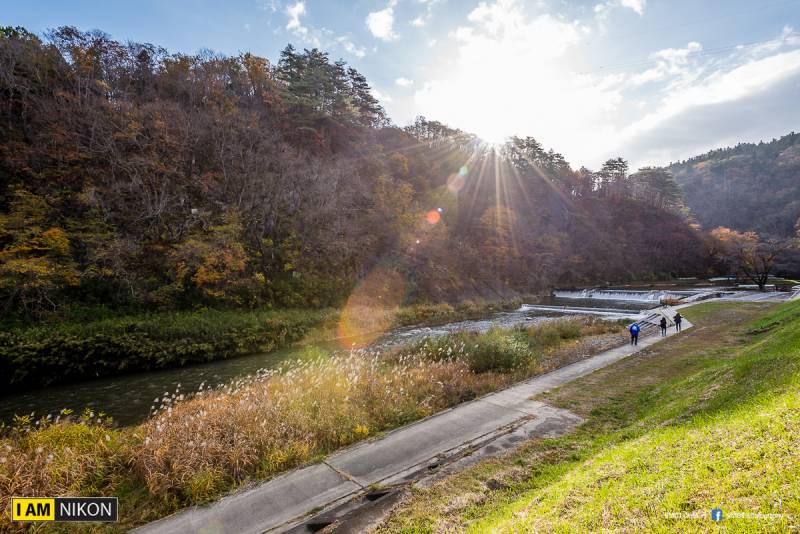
point(400, 456)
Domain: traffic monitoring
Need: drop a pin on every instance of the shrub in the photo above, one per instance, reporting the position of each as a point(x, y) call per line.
point(497, 350)
point(549, 333)
point(505, 351)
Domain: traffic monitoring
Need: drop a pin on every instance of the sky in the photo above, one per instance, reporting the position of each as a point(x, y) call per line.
point(653, 81)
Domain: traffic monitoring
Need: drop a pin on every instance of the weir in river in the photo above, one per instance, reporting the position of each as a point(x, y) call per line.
point(649, 296)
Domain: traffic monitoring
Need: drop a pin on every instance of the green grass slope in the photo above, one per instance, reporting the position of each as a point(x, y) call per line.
point(703, 420)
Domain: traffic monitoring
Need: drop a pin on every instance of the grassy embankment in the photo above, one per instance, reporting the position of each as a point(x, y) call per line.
point(703, 420)
point(77, 346)
point(196, 449)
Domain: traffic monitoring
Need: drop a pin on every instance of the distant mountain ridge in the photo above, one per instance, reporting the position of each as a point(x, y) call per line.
point(752, 186)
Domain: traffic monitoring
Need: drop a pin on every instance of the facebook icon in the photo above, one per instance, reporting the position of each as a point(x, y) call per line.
point(716, 514)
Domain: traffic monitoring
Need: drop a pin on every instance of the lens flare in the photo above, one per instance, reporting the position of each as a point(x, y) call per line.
point(433, 217)
point(371, 307)
point(455, 182)
point(463, 171)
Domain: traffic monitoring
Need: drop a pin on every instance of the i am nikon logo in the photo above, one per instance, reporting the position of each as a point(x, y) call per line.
point(64, 509)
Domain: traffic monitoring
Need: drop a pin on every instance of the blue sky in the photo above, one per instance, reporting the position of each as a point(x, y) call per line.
point(651, 80)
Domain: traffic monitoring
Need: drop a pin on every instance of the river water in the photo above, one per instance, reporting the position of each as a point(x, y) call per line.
point(128, 398)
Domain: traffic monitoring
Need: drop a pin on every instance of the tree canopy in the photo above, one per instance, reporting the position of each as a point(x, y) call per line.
point(749, 187)
point(156, 180)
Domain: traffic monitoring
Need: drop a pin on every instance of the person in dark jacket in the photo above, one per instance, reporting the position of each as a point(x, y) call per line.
point(678, 318)
point(634, 330)
point(663, 326)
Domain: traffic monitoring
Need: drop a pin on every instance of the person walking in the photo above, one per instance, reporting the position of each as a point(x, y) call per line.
point(678, 318)
point(634, 329)
point(663, 324)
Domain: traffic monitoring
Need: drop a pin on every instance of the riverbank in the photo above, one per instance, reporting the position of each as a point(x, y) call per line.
point(708, 419)
point(196, 449)
point(78, 348)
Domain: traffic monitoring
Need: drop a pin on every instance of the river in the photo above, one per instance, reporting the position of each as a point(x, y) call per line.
point(128, 398)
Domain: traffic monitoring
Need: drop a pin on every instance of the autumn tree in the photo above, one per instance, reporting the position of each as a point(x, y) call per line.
point(35, 259)
point(749, 255)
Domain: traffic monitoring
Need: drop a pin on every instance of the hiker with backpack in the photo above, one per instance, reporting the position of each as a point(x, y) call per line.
point(634, 330)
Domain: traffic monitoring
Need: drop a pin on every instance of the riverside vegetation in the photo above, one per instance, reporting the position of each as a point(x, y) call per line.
point(85, 344)
point(198, 446)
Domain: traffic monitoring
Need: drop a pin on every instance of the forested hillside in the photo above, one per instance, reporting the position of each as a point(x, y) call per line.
point(139, 179)
point(749, 187)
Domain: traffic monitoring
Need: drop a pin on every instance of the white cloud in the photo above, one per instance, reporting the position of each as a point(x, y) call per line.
point(427, 15)
point(509, 72)
point(636, 5)
point(602, 9)
point(404, 82)
point(350, 47)
point(295, 12)
point(269, 5)
point(697, 103)
point(788, 37)
point(678, 55)
point(317, 37)
point(669, 61)
point(381, 23)
point(720, 87)
point(758, 116)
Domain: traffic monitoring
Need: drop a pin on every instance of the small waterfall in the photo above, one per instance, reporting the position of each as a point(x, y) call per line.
point(621, 294)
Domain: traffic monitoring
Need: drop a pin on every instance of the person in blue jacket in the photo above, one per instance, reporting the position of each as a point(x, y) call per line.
point(634, 329)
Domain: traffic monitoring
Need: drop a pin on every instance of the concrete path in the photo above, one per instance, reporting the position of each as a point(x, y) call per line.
point(400, 456)
point(759, 296)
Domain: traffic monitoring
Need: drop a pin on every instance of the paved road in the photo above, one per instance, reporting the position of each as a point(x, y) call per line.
point(283, 502)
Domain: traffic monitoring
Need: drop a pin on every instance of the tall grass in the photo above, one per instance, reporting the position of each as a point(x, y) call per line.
point(196, 447)
point(508, 351)
point(269, 423)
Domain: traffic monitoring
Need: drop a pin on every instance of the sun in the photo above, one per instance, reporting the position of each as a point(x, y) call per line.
point(492, 132)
